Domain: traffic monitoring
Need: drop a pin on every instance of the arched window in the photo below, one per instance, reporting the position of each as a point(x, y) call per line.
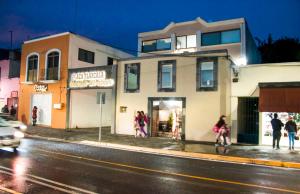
point(52, 68)
point(32, 68)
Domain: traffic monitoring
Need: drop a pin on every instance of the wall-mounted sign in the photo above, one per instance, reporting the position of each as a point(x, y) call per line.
point(95, 78)
point(40, 87)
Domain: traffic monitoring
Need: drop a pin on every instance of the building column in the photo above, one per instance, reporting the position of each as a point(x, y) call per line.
point(243, 40)
point(173, 42)
point(139, 47)
point(198, 40)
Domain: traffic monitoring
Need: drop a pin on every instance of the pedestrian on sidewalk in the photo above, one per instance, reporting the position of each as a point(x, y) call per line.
point(222, 131)
point(276, 125)
point(291, 128)
point(34, 115)
point(142, 121)
point(175, 125)
point(136, 124)
point(13, 111)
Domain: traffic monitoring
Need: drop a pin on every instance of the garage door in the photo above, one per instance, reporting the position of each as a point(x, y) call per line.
point(84, 110)
point(44, 105)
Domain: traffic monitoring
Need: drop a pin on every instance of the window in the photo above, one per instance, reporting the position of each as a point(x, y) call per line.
point(132, 77)
point(110, 61)
point(183, 42)
point(207, 74)
point(52, 70)
point(32, 67)
point(156, 45)
point(231, 36)
point(224, 37)
point(167, 76)
point(86, 56)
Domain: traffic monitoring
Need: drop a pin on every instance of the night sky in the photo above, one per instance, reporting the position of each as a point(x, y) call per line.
point(117, 22)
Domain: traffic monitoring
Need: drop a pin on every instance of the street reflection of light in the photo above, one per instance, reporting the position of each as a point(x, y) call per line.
point(20, 166)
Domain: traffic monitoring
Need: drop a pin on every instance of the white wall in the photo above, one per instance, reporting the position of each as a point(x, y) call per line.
point(84, 110)
point(202, 108)
point(251, 75)
point(101, 52)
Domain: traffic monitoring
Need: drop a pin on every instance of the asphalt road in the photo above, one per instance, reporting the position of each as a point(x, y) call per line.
point(42, 166)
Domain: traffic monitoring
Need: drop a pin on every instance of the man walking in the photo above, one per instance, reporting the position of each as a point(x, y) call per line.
point(276, 125)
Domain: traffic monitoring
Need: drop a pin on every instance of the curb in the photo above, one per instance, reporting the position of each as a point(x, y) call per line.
point(181, 154)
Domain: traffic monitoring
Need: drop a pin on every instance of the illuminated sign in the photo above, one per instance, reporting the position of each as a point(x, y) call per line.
point(90, 79)
point(40, 87)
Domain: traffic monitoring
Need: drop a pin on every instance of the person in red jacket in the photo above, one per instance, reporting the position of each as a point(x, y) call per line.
point(34, 115)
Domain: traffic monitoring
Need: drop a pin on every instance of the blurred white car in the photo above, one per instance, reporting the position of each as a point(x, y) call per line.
point(13, 122)
point(9, 136)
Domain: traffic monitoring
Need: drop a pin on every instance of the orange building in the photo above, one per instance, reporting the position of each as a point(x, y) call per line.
point(43, 77)
point(46, 64)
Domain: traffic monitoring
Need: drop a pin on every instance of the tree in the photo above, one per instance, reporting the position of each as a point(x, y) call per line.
point(282, 50)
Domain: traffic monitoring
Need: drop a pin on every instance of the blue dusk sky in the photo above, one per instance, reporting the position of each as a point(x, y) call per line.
point(117, 22)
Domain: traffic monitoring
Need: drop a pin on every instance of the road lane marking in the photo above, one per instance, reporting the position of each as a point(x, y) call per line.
point(9, 190)
point(9, 171)
point(171, 173)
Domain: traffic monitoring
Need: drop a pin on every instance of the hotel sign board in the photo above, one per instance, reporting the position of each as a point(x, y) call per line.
point(40, 87)
point(90, 78)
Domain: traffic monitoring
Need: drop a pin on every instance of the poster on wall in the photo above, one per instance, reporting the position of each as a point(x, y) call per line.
point(267, 130)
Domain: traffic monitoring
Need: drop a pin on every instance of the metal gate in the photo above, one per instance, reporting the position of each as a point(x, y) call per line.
point(248, 120)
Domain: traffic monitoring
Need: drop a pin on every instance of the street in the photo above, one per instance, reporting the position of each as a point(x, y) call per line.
point(42, 166)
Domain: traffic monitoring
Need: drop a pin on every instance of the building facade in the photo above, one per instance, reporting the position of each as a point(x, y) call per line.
point(195, 87)
point(198, 35)
point(46, 78)
point(184, 71)
point(272, 88)
point(9, 77)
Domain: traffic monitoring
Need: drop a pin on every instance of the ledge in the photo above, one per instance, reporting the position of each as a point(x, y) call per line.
point(49, 81)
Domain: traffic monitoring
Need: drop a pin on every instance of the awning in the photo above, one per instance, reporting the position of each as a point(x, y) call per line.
point(279, 97)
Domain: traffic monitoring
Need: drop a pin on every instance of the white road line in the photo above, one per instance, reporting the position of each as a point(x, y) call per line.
point(39, 179)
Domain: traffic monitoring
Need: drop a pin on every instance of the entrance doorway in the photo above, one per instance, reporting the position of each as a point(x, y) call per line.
point(44, 104)
point(248, 120)
point(167, 117)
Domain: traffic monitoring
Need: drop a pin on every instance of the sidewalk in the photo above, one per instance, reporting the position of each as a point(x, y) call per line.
point(235, 153)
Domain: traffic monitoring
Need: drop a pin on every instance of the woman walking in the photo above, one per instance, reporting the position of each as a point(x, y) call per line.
point(222, 131)
point(291, 128)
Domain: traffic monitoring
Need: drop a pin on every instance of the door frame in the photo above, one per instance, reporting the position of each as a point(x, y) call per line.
point(150, 109)
point(31, 103)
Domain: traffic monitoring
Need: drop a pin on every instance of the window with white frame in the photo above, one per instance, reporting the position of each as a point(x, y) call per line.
point(183, 42)
point(32, 68)
point(167, 76)
point(52, 69)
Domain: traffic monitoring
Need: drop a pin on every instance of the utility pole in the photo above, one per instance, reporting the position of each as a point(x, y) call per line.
point(11, 39)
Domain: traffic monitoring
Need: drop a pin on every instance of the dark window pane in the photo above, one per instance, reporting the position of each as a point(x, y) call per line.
point(32, 68)
point(110, 61)
point(163, 44)
point(211, 38)
point(231, 36)
point(149, 46)
point(86, 56)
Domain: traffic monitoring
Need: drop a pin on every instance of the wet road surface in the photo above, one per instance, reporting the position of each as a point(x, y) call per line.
point(42, 166)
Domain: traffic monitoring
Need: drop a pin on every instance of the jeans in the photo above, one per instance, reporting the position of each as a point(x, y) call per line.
point(292, 139)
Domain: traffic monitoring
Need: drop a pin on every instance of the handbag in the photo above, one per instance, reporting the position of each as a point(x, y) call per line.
point(296, 137)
